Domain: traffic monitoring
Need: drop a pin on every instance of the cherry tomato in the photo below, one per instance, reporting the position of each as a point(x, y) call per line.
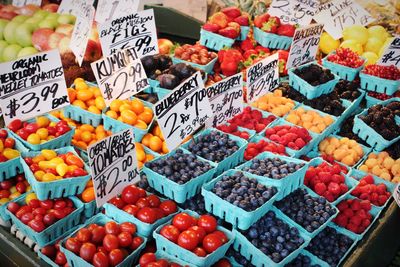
point(200, 252)
point(125, 239)
point(79, 172)
point(143, 202)
point(59, 204)
point(98, 234)
point(154, 201)
point(100, 259)
point(183, 221)
point(131, 209)
point(4, 193)
point(130, 194)
point(13, 207)
point(147, 258)
point(128, 227)
point(141, 192)
point(200, 232)
point(170, 232)
point(60, 213)
point(188, 240)
point(74, 160)
point(223, 263)
point(14, 125)
point(84, 235)
point(60, 258)
point(136, 242)
point(39, 210)
point(9, 143)
point(36, 225)
point(102, 249)
point(49, 219)
point(7, 184)
point(50, 251)
point(221, 235)
point(169, 207)
point(112, 228)
point(118, 202)
point(115, 257)
point(92, 226)
point(47, 204)
point(23, 133)
point(22, 211)
point(208, 222)
point(21, 187)
point(159, 213)
point(72, 244)
point(3, 133)
point(87, 251)
point(162, 263)
point(27, 217)
point(212, 242)
point(110, 242)
point(31, 127)
point(147, 215)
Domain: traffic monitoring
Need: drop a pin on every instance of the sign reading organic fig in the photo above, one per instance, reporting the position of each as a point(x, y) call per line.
point(113, 165)
point(107, 10)
point(32, 86)
point(136, 30)
point(262, 77)
point(338, 14)
point(226, 99)
point(120, 75)
point(26, 2)
point(294, 11)
point(304, 45)
point(183, 111)
point(391, 56)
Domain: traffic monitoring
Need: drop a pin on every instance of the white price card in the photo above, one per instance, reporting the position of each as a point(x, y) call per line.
point(338, 14)
point(294, 11)
point(113, 165)
point(32, 86)
point(183, 111)
point(396, 194)
point(26, 2)
point(73, 7)
point(136, 30)
point(262, 77)
point(226, 99)
point(107, 10)
point(120, 75)
point(304, 45)
point(391, 56)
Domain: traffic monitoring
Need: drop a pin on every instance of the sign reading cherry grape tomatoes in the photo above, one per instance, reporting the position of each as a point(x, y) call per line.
point(294, 11)
point(113, 165)
point(183, 111)
point(262, 77)
point(32, 86)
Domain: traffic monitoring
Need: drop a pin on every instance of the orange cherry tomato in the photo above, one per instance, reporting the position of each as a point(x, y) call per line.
point(74, 160)
point(88, 194)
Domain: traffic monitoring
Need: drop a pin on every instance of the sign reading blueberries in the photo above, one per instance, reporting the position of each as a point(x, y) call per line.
point(304, 45)
point(294, 11)
point(107, 10)
point(338, 14)
point(120, 75)
point(262, 77)
point(396, 194)
point(226, 99)
point(26, 2)
point(391, 56)
point(136, 30)
point(113, 165)
point(183, 111)
point(32, 86)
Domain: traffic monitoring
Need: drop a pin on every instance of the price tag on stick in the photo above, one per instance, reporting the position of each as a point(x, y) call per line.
point(113, 165)
point(120, 75)
point(136, 30)
point(391, 56)
point(226, 99)
point(304, 45)
point(183, 111)
point(262, 77)
point(294, 11)
point(107, 10)
point(32, 86)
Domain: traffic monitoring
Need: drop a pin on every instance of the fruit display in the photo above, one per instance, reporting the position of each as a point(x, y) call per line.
point(233, 129)
point(7, 147)
point(252, 119)
point(155, 140)
point(253, 149)
point(197, 54)
point(382, 165)
point(343, 150)
point(346, 57)
point(367, 189)
point(347, 90)
point(86, 96)
point(86, 135)
point(272, 24)
point(314, 74)
point(385, 72)
point(309, 119)
point(229, 61)
point(155, 65)
point(354, 215)
point(13, 188)
point(274, 168)
point(275, 103)
point(290, 136)
point(151, 259)
point(346, 130)
point(54, 253)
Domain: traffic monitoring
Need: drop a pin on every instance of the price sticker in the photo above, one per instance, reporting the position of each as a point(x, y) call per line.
point(73, 7)
point(304, 45)
point(262, 77)
point(294, 11)
point(107, 10)
point(391, 56)
point(183, 111)
point(26, 2)
point(338, 14)
point(113, 165)
point(120, 75)
point(137, 30)
point(32, 86)
point(226, 99)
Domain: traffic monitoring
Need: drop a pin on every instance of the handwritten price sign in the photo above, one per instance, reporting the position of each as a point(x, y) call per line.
point(32, 86)
point(26, 2)
point(183, 111)
point(391, 56)
point(304, 45)
point(113, 165)
point(338, 14)
point(226, 99)
point(137, 30)
point(107, 10)
point(262, 77)
point(120, 75)
point(294, 11)
point(73, 7)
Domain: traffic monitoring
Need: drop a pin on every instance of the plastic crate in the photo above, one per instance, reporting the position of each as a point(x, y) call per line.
point(380, 85)
point(58, 188)
point(306, 89)
point(344, 72)
point(287, 184)
point(207, 68)
point(272, 40)
point(76, 261)
point(83, 116)
point(259, 259)
point(164, 255)
point(161, 92)
point(178, 252)
point(244, 31)
point(214, 41)
point(52, 232)
point(61, 141)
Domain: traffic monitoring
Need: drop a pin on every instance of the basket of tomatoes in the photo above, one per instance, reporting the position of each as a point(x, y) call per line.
point(9, 190)
point(196, 55)
point(10, 149)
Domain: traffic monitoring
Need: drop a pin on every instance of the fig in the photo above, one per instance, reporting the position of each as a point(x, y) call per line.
point(168, 81)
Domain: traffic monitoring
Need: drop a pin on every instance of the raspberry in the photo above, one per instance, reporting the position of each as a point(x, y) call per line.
point(343, 188)
point(355, 205)
point(257, 115)
point(282, 132)
point(356, 220)
point(369, 179)
point(275, 138)
point(362, 214)
point(311, 173)
point(341, 220)
point(328, 195)
point(381, 200)
point(381, 189)
point(366, 222)
point(334, 188)
point(259, 127)
point(300, 142)
point(374, 197)
point(292, 146)
point(365, 205)
point(336, 169)
point(348, 213)
point(342, 206)
point(269, 132)
point(352, 227)
point(320, 188)
point(325, 177)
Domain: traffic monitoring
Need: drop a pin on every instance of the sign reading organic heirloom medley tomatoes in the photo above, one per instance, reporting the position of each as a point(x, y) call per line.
point(183, 111)
point(262, 77)
point(338, 14)
point(136, 30)
point(226, 99)
point(294, 11)
point(32, 86)
point(304, 45)
point(26, 2)
point(391, 56)
point(113, 165)
point(120, 75)
point(107, 10)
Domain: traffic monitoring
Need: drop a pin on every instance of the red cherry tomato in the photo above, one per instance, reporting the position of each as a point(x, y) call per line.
point(23, 133)
point(4, 193)
point(87, 251)
point(188, 240)
point(116, 256)
point(112, 228)
point(147, 215)
point(14, 125)
point(72, 244)
point(162, 263)
point(143, 202)
point(170, 232)
point(3, 133)
point(223, 263)
point(92, 226)
point(84, 235)
point(21, 187)
point(131, 209)
point(47, 204)
point(50, 251)
point(60, 259)
point(154, 201)
point(169, 207)
point(183, 221)
point(128, 227)
point(13, 207)
point(141, 192)
point(208, 222)
point(200, 232)
point(200, 252)
point(118, 202)
point(27, 217)
point(130, 194)
point(147, 258)
point(221, 235)
point(31, 127)
point(9, 143)
point(212, 242)
point(74, 160)
point(136, 242)
point(110, 242)
point(60, 204)
point(36, 225)
point(49, 219)
point(98, 234)
point(21, 211)
point(100, 259)
point(125, 239)
point(159, 213)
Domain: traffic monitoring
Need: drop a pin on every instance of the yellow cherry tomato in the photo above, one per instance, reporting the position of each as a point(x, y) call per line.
point(57, 160)
point(39, 174)
point(48, 177)
point(14, 195)
point(1, 146)
point(62, 169)
point(42, 121)
point(13, 189)
point(3, 201)
point(49, 154)
point(43, 133)
point(33, 139)
point(29, 197)
point(43, 165)
point(10, 153)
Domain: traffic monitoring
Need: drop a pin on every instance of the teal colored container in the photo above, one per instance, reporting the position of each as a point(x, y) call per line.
point(207, 68)
point(54, 231)
point(153, 83)
point(214, 41)
point(272, 40)
point(178, 252)
point(76, 261)
point(82, 154)
point(90, 209)
point(315, 261)
point(161, 92)
point(229, 162)
point(83, 116)
point(259, 259)
point(370, 101)
point(238, 217)
point(61, 141)
point(287, 184)
point(59, 188)
point(12, 167)
point(380, 85)
point(164, 255)
point(351, 107)
point(244, 31)
point(3, 213)
point(307, 89)
point(251, 133)
point(178, 192)
point(344, 72)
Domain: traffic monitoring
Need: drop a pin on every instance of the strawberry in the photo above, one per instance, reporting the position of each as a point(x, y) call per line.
point(247, 44)
point(366, 222)
point(300, 142)
point(211, 27)
point(232, 12)
point(234, 25)
point(282, 57)
point(221, 55)
point(260, 48)
point(234, 55)
point(352, 227)
point(341, 220)
point(243, 20)
point(286, 30)
point(355, 205)
point(220, 19)
point(229, 32)
point(229, 68)
point(370, 180)
point(348, 213)
point(342, 206)
point(260, 20)
point(271, 26)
